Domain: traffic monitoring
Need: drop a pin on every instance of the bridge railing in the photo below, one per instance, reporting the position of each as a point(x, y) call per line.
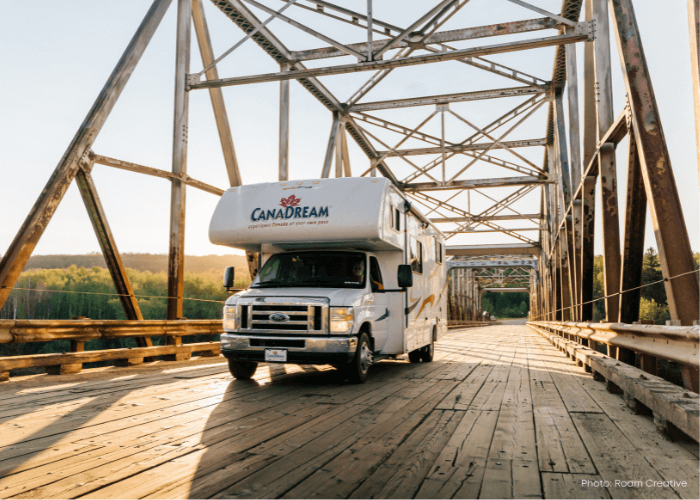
point(466, 324)
point(82, 330)
point(672, 407)
point(638, 344)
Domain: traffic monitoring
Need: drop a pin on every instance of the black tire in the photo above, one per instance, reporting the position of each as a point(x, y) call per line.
point(358, 368)
point(415, 356)
point(428, 352)
point(242, 370)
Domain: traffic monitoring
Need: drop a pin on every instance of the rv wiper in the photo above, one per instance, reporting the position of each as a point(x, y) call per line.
point(269, 283)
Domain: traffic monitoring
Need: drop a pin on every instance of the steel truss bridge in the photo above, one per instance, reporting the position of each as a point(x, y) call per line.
point(543, 203)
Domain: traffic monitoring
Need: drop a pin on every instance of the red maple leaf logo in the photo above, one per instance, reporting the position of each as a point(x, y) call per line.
point(292, 201)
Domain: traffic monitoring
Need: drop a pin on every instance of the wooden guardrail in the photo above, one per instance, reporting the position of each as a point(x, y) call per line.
point(673, 343)
point(643, 392)
point(82, 330)
point(467, 324)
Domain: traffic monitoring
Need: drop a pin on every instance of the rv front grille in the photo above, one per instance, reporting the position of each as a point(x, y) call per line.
point(294, 318)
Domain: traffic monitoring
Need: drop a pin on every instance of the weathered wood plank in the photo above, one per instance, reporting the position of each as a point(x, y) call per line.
point(573, 486)
point(617, 460)
point(402, 473)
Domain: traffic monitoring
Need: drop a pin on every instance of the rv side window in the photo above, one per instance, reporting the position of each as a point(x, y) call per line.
point(395, 218)
point(416, 257)
point(438, 252)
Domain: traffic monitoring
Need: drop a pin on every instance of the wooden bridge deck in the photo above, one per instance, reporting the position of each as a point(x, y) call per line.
point(499, 414)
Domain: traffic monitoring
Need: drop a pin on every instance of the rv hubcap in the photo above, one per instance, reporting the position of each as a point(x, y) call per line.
point(365, 357)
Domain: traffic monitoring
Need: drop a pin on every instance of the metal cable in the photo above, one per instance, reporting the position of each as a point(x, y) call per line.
point(115, 294)
point(629, 290)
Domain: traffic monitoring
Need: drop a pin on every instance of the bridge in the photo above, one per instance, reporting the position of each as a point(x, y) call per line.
point(563, 407)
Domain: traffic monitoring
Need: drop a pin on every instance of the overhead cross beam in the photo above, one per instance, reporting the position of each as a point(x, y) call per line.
point(581, 33)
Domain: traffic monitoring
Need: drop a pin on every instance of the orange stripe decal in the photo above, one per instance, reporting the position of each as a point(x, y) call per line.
point(430, 299)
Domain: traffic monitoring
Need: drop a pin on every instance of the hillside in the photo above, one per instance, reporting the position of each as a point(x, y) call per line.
point(155, 263)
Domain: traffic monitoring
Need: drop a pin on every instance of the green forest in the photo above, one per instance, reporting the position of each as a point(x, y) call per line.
point(64, 287)
point(653, 305)
point(69, 286)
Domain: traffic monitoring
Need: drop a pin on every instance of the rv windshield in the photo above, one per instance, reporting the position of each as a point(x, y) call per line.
point(313, 269)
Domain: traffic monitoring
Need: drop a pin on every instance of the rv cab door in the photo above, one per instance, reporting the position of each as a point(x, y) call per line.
point(380, 306)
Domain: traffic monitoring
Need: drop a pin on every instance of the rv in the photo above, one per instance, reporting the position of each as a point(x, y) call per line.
point(350, 273)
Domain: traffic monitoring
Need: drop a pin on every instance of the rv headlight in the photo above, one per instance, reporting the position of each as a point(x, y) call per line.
point(342, 319)
point(229, 318)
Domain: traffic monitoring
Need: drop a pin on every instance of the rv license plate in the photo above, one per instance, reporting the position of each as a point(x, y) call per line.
point(276, 355)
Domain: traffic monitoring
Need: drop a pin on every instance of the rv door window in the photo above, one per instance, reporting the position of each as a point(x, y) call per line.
point(416, 255)
point(395, 218)
point(438, 252)
point(375, 275)
point(313, 269)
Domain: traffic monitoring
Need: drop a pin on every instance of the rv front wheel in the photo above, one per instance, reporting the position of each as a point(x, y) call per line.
point(242, 370)
point(358, 368)
point(415, 356)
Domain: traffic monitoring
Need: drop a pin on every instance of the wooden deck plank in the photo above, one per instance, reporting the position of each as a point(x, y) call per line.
point(616, 459)
point(573, 486)
point(560, 448)
point(402, 473)
point(500, 413)
point(340, 477)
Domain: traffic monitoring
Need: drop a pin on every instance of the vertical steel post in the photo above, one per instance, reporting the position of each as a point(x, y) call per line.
point(346, 154)
point(176, 260)
point(587, 209)
point(590, 127)
point(694, 25)
point(575, 166)
point(28, 236)
point(284, 127)
point(369, 30)
point(339, 150)
point(587, 247)
point(671, 233)
point(633, 247)
point(332, 140)
point(606, 157)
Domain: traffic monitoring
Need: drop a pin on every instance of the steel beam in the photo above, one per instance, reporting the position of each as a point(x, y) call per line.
point(633, 247)
point(448, 98)
point(330, 148)
point(507, 263)
point(666, 209)
point(510, 249)
point(587, 247)
point(581, 33)
point(283, 166)
point(606, 161)
point(108, 245)
point(21, 248)
point(217, 99)
point(474, 184)
point(694, 25)
point(436, 38)
point(484, 146)
point(477, 218)
point(176, 255)
point(155, 172)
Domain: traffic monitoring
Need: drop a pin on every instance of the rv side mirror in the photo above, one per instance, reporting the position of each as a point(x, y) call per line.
point(229, 274)
point(405, 276)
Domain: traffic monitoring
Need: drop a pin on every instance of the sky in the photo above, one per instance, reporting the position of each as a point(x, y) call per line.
point(56, 56)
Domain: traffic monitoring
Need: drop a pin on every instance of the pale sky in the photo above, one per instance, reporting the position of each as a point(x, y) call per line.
point(56, 56)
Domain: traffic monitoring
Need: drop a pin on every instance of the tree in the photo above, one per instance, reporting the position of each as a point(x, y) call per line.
point(651, 272)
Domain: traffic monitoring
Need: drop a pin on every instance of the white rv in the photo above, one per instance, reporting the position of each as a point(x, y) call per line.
point(350, 274)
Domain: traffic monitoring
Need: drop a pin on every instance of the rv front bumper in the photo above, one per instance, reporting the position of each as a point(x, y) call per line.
point(302, 350)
